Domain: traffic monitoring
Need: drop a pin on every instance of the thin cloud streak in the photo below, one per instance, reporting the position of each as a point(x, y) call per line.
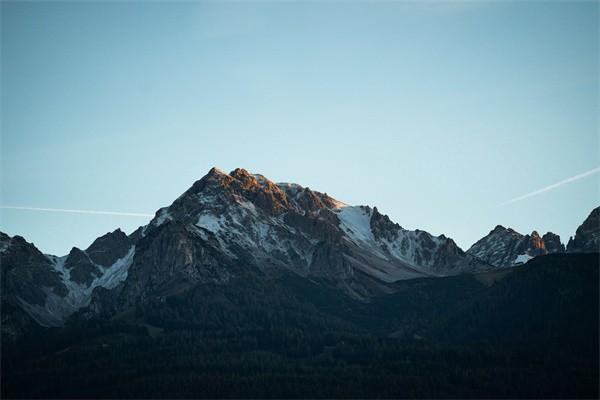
point(553, 186)
point(64, 210)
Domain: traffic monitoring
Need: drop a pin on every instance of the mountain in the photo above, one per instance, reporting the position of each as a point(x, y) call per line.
point(504, 247)
point(29, 286)
point(587, 236)
point(243, 287)
point(226, 226)
point(48, 288)
point(222, 227)
point(244, 218)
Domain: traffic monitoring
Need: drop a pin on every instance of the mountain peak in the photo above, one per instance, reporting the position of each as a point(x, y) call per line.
point(505, 247)
point(215, 174)
point(214, 177)
point(502, 230)
point(245, 216)
point(552, 243)
point(587, 236)
point(108, 248)
point(216, 171)
point(240, 173)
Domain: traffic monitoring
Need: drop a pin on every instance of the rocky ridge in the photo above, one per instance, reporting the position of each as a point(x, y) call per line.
point(504, 247)
point(229, 227)
point(49, 288)
point(587, 236)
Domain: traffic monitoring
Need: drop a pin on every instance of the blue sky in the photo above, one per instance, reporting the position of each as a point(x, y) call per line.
point(438, 113)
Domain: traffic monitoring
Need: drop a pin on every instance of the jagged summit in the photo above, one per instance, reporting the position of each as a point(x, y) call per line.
point(249, 218)
point(108, 248)
point(218, 191)
point(278, 197)
point(505, 247)
point(502, 229)
point(50, 288)
point(226, 226)
point(240, 173)
point(234, 226)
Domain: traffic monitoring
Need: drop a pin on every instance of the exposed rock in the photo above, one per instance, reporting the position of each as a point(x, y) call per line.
point(552, 243)
point(228, 227)
point(170, 259)
point(250, 220)
point(587, 236)
point(136, 235)
point(504, 247)
point(82, 268)
point(28, 280)
point(48, 289)
point(27, 274)
point(109, 248)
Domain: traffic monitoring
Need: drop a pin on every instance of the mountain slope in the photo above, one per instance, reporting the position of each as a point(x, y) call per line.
point(228, 227)
point(518, 332)
point(223, 226)
point(48, 288)
point(229, 222)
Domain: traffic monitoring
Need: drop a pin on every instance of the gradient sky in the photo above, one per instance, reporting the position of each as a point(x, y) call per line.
point(436, 113)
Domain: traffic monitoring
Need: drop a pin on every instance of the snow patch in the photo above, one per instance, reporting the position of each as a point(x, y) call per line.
point(210, 222)
point(248, 206)
point(355, 221)
point(522, 259)
point(79, 295)
point(161, 217)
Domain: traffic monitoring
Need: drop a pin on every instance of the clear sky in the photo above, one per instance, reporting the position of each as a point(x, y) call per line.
point(436, 113)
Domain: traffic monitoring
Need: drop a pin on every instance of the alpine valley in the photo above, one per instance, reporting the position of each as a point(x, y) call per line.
point(247, 288)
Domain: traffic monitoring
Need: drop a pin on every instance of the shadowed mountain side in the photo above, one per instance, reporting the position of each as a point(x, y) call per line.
point(464, 336)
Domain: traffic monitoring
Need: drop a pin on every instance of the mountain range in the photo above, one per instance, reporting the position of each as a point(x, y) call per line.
point(235, 246)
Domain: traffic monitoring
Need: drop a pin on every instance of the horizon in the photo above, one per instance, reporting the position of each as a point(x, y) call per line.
point(435, 113)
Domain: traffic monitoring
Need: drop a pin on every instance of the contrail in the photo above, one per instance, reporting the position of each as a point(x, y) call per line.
point(64, 210)
point(553, 186)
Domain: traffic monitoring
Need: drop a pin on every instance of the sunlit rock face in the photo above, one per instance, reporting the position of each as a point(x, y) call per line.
point(504, 247)
point(587, 236)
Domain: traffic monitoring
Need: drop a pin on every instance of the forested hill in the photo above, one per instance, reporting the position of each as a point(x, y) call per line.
point(521, 332)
